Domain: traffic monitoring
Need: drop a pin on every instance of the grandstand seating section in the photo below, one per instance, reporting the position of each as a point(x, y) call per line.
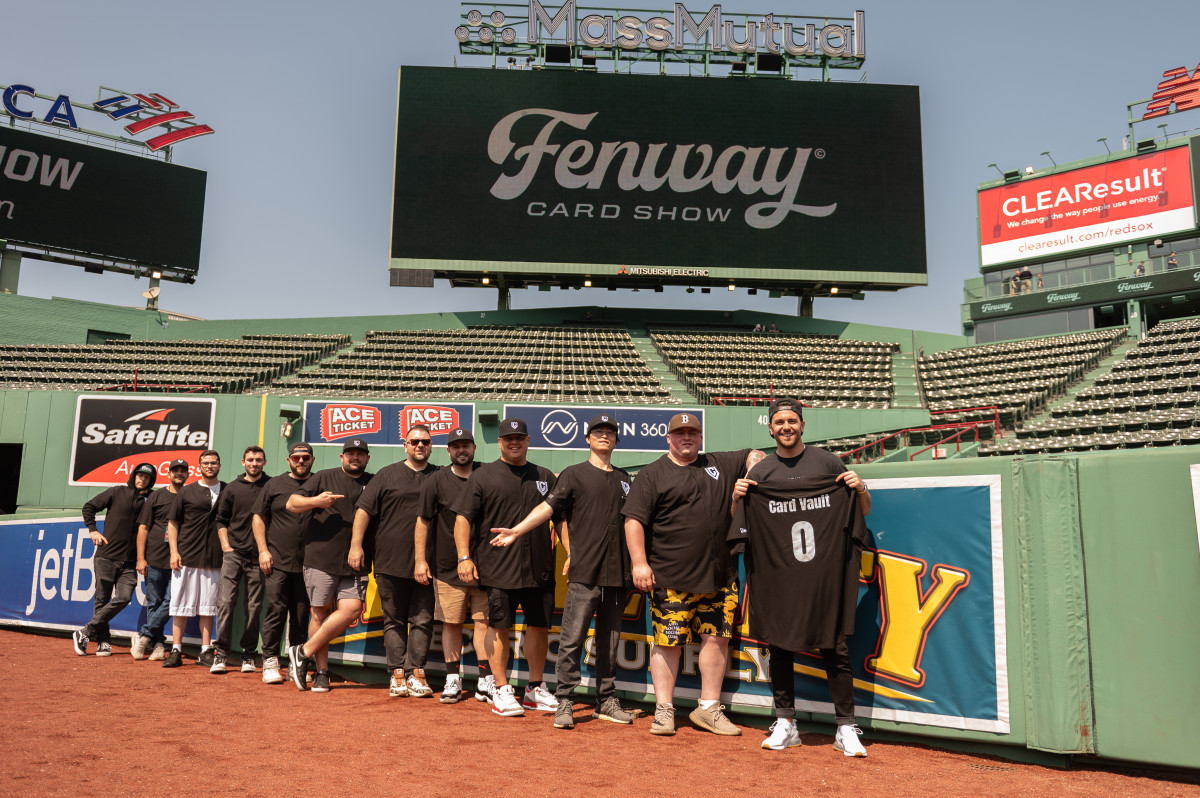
point(489, 363)
point(822, 371)
point(1150, 398)
point(1018, 377)
point(220, 366)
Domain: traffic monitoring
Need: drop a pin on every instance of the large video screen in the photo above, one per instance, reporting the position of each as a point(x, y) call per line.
point(550, 171)
point(67, 196)
point(1043, 218)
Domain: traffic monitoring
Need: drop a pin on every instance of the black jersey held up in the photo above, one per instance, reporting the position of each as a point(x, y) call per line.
point(590, 500)
point(438, 495)
point(393, 500)
point(327, 538)
point(499, 495)
point(285, 529)
point(686, 512)
point(194, 511)
point(805, 534)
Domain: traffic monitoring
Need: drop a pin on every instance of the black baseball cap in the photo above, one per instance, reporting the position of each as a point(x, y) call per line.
point(603, 420)
point(179, 463)
point(513, 426)
point(785, 403)
point(146, 468)
point(355, 443)
point(459, 434)
point(299, 447)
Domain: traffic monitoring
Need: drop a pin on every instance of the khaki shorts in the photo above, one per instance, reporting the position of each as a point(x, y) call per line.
point(451, 603)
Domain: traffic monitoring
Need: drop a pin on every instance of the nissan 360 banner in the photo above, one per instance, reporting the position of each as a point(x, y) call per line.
point(671, 176)
point(64, 195)
point(1130, 199)
point(642, 429)
point(382, 423)
point(113, 434)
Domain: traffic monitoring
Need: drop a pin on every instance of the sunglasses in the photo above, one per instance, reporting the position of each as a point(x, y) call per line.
point(300, 458)
point(419, 442)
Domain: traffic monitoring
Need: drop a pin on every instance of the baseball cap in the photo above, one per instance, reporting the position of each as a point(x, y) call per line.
point(179, 463)
point(299, 447)
point(684, 421)
point(460, 434)
point(603, 420)
point(355, 443)
point(146, 468)
point(513, 426)
point(785, 403)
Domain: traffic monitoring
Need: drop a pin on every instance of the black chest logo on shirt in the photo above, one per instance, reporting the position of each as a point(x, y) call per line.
point(542, 487)
point(713, 472)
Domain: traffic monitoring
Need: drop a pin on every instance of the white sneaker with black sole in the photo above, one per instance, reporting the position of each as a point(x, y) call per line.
point(485, 688)
point(504, 702)
point(218, 664)
point(846, 741)
point(80, 641)
point(784, 735)
point(248, 665)
point(452, 691)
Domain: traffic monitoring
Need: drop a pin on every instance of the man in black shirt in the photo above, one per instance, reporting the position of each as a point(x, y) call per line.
point(521, 575)
point(676, 519)
point(279, 538)
point(235, 509)
point(154, 563)
point(391, 501)
point(195, 559)
point(588, 496)
point(328, 575)
point(804, 535)
point(113, 561)
point(433, 541)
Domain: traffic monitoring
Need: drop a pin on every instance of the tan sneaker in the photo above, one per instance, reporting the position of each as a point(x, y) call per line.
point(158, 654)
point(137, 648)
point(714, 720)
point(664, 720)
point(417, 686)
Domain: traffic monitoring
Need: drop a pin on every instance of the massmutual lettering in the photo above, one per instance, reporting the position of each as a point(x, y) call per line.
point(691, 167)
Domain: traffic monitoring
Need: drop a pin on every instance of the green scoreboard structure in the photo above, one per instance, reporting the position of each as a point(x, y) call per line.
point(559, 177)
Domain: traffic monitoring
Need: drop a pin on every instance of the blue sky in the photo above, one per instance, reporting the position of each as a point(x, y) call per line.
point(302, 96)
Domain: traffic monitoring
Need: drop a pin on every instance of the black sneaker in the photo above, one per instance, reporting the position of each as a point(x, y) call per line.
point(299, 666)
point(205, 658)
point(80, 641)
point(321, 682)
point(174, 659)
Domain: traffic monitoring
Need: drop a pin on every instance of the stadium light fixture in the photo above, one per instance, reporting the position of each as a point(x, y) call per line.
point(997, 168)
point(1104, 140)
point(156, 275)
point(732, 287)
point(486, 280)
point(833, 290)
point(587, 283)
point(1051, 157)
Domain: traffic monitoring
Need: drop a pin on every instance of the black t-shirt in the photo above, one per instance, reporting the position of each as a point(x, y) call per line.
point(194, 511)
point(590, 500)
point(235, 506)
point(392, 500)
point(805, 534)
point(501, 495)
point(154, 516)
point(123, 505)
point(327, 540)
point(285, 529)
point(685, 510)
point(438, 495)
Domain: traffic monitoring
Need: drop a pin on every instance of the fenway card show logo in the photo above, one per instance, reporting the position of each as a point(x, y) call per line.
point(347, 421)
point(113, 435)
point(438, 418)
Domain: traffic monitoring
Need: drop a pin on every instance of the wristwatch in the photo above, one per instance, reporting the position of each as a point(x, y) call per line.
point(463, 559)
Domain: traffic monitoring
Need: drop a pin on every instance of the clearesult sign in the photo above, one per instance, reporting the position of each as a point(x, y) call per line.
point(113, 434)
point(1129, 199)
point(382, 423)
point(530, 170)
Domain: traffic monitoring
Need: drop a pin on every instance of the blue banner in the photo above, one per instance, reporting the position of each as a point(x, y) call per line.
point(642, 429)
point(382, 423)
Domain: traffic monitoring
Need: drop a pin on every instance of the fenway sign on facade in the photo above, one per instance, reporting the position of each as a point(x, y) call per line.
point(382, 423)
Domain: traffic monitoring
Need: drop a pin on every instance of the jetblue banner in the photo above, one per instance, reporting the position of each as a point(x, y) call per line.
point(643, 429)
point(382, 423)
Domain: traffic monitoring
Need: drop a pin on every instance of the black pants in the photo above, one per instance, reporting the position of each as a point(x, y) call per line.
point(115, 582)
point(407, 620)
point(287, 602)
point(837, 670)
point(583, 601)
point(234, 567)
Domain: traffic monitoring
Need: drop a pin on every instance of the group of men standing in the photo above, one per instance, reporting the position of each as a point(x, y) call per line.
point(478, 541)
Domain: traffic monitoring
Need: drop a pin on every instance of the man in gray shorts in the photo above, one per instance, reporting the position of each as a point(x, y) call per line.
point(328, 577)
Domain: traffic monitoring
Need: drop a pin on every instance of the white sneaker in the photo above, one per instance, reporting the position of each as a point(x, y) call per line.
point(452, 692)
point(248, 663)
point(397, 686)
point(783, 735)
point(271, 672)
point(846, 741)
point(485, 688)
point(504, 702)
point(540, 698)
point(137, 649)
point(104, 650)
point(417, 686)
point(218, 664)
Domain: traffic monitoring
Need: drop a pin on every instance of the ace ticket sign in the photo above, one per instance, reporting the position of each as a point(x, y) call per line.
point(382, 423)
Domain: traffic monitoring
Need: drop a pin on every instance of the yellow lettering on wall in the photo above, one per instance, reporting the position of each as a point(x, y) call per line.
point(908, 616)
point(372, 608)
